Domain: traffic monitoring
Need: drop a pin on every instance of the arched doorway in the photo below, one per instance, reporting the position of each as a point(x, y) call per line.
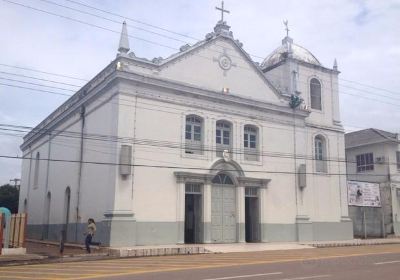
point(67, 203)
point(25, 210)
point(46, 222)
point(223, 209)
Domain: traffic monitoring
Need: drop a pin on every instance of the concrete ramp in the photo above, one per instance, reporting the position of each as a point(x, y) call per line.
point(147, 251)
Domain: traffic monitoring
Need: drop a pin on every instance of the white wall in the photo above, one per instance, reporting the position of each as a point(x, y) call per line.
point(154, 190)
point(96, 193)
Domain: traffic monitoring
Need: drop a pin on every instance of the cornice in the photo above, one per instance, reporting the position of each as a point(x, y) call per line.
point(339, 129)
point(86, 94)
point(304, 63)
point(206, 94)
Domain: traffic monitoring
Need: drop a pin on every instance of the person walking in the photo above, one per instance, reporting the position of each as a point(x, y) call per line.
point(91, 229)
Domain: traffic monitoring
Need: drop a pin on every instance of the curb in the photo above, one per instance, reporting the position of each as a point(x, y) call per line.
point(348, 244)
point(61, 259)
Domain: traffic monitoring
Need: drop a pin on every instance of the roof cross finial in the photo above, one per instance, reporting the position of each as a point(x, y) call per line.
point(222, 11)
point(286, 23)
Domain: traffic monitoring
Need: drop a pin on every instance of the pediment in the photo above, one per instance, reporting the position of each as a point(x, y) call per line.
point(219, 64)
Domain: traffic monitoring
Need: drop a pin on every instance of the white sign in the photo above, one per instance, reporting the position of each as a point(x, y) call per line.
point(363, 194)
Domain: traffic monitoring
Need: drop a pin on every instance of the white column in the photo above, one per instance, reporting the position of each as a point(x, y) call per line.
point(240, 214)
point(344, 206)
point(263, 216)
point(180, 211)
point(207, 212)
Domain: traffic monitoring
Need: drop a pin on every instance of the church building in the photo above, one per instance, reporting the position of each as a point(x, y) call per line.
point(205, 146)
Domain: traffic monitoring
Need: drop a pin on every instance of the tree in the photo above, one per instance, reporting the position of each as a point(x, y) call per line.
point(9, 196)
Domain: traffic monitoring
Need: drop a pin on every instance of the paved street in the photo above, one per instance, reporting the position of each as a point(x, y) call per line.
point(364, 262)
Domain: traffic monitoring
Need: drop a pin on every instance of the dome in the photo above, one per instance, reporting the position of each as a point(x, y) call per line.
point(297, 52)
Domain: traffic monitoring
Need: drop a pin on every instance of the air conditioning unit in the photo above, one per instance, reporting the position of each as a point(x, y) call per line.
point(380, 159)
point(125, 160)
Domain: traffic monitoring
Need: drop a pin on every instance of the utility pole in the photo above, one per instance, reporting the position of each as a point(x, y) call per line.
point(15, 180)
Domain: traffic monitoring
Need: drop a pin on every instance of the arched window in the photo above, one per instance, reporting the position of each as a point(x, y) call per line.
point(223, 137)
point(315, 94)
point(320, 154)
point(222, 179)
point(36, 173)
point(194, 135)
point(250, 142)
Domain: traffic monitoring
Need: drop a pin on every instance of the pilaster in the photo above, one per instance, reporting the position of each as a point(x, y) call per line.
point(207, 212)
point(240, 214)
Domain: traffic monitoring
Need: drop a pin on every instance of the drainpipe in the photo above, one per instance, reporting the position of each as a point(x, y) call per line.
point(295, 161)
point(78, 218)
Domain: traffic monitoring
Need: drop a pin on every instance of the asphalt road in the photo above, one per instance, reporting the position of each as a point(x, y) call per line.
point(380, 262)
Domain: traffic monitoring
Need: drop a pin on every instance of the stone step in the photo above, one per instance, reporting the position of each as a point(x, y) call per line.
point(164, 251)
point(355, 242)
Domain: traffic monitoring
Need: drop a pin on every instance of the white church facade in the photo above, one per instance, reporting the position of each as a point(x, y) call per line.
point(205, 146)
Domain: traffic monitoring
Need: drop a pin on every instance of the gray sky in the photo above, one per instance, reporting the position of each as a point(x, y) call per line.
point(362, 35)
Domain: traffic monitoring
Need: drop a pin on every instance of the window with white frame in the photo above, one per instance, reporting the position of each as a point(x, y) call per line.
point(315, 94)
point(193, 188)
point(365, 162)
point(223, 136)
point(320, 154)
point(250, 142)
point(398, 159)
point(193, 135)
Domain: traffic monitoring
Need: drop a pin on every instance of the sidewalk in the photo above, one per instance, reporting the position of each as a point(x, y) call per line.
point(52, 249)
point(48, 252)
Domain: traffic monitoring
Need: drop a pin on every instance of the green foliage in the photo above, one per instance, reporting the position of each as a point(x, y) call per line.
point(295, 101)
point(9, 196)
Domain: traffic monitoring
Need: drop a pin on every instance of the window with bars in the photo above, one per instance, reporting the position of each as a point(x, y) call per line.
point(250, 142)
point(315, 94)
point(223, 135)
point(251, 192)
point(192, 188)
point(365, 162)
point(320, 154)
point(193, 135)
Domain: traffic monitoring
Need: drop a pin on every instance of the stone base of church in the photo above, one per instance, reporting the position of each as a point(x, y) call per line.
point(396, 228)
point(307, 231)
point(120, 231)
point(75, 232)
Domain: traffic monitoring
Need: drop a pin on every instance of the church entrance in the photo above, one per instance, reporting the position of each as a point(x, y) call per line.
point(193, 210)
point(223, 210)
point(252, 221)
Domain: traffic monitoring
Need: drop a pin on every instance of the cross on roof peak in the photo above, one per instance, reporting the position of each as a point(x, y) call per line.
point(222, 11)
point(286, 23)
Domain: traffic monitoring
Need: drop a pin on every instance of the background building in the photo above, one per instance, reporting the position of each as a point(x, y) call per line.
point(199, 147)
point(373, 156)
